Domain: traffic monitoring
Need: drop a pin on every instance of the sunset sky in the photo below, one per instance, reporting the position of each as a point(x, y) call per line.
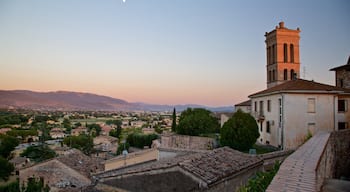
point(163, 51)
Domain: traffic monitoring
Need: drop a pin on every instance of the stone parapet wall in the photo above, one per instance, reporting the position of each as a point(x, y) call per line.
point(187, 142)
point(324, 156)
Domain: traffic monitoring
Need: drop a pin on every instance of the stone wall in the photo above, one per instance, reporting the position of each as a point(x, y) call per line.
point(341, 144)
point(234, 182)
point(131, 159)
point(187, 142)
point(344, 75)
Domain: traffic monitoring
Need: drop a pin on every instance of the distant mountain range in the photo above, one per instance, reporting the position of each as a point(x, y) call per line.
point(75, 101)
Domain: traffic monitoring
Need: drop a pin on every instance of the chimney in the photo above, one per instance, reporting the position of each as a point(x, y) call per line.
point(281, 24)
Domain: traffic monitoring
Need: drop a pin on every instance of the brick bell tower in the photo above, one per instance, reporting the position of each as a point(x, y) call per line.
point(282, 50)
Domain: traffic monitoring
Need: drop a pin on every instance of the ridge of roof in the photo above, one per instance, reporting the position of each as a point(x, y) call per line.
point(300, 85)
point(346, 66)
point(244, 103)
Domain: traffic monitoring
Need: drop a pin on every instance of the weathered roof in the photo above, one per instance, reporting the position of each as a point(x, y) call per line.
point(78, 161)
point(245, 103)
point(301, 85)
point(218, 164)
point(208, 166)
point(346, 66)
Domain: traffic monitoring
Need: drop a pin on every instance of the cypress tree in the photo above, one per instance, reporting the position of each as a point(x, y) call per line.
point(173, 125)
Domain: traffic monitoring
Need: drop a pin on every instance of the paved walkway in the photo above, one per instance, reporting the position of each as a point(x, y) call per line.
point(298, 171)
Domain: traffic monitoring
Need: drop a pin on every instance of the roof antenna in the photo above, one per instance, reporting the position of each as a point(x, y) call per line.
point(304, 72)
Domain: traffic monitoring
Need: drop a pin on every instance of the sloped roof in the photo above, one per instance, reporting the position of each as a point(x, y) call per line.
point(219, 164)
point(78, 161)
point(211, 166)
point(346, 66)
point(244, 103)
point(303, 86)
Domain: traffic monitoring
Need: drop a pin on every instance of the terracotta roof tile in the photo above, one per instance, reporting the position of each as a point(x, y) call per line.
point(209, 166)
point(301, 85)
point(244, 103)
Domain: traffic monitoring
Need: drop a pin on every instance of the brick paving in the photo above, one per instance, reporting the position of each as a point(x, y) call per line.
point(298, 171)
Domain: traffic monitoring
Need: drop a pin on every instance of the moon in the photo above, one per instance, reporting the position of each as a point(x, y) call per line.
point(124, 1)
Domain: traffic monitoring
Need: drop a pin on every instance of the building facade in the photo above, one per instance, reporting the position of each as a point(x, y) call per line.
point(342, 75)
point(286, 114)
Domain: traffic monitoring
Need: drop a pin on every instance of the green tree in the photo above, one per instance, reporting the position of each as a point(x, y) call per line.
point(82, 142)
point(122, 147)
point(114, 122)
point(77, 124)
point(36, 185)
point(116, 132)
point(140, 140)
point(7, 144)
point(173, 125)
point(197, 121)
point(6, 169)
point(240, 131)
point(66, 123)
point(94, 128)
point(38, 153)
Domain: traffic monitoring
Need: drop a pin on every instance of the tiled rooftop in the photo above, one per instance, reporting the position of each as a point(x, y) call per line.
point(208, 166)
point(301, 85)
point(77, 160)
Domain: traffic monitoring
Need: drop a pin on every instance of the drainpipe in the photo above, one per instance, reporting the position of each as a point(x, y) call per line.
point(335, 114)
point(282, 121)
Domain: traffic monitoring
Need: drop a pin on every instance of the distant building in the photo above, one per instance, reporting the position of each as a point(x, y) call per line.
point(68, 172)
point(79, 131)
point(223, 117)
point(104, 143)
point(57, 133)
point(342, 75)
point(244, 106)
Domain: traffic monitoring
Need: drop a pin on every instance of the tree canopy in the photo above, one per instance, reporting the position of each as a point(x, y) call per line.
point(197, 121)
point(38, 153)
point(82, 142)
point(240, 131)
point(6, 168)
point(7, 144)
point(94, 129)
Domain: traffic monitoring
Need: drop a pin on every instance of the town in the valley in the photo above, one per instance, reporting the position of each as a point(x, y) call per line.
point(295, 130)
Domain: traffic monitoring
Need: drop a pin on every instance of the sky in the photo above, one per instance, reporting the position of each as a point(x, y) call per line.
point(163, 51)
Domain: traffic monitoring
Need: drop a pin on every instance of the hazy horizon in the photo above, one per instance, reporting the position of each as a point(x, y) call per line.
point(163, 52)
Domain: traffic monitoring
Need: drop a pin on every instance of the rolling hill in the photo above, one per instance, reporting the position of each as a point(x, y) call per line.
point(76, 101)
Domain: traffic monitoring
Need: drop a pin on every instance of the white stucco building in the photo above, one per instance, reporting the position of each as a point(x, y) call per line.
point(287, 112)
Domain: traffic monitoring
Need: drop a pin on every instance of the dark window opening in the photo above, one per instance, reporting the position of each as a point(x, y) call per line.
point(342, 125)
point(292, 74)
point(268, 105)
point(285, 52)
point(291, 53)
point(267, 126)
point(342, 106)
point(285, 74)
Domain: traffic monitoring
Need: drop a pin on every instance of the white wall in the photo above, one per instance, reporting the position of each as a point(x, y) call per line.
point(296, 121)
